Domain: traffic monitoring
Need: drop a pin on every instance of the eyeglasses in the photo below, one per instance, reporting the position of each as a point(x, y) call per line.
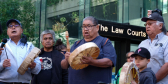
point(129, 57)
point(89, 27)
point(149, 23)
point(11, 26)
point(63, 52)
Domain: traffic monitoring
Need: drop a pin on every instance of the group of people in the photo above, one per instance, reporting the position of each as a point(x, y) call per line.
point(52, 66)
point(151, 57)
point(46, 70)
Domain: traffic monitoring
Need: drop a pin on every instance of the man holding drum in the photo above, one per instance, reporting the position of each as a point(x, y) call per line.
point(13, 55)
point(99, 69)
point(157, 44)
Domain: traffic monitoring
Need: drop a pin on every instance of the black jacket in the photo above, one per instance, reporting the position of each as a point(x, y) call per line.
point(59, 75)
point(147, 77)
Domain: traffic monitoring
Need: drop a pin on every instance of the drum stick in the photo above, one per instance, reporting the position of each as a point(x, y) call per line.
point(67, 38)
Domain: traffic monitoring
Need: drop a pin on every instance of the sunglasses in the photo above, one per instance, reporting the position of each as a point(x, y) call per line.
point(129, 57)
point(63, 52)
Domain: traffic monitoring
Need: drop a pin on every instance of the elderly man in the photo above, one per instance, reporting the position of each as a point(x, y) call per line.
point(157, 44)
point(99, 69)
point(13, 55)
point(51, 72)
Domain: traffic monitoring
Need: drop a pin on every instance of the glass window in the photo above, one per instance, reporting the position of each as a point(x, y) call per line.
point(134, 47)
point(164, 6)
point(104, 9)
point(61, 16)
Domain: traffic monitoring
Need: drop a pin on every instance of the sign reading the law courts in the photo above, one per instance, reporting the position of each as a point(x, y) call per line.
point(121, 30)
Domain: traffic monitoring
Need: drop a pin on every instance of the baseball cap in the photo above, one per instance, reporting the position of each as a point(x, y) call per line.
point(143, 52)
point(153, 16)
point(13, 20)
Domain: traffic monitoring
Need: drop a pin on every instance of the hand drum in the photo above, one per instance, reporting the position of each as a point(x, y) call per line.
point(87, 49)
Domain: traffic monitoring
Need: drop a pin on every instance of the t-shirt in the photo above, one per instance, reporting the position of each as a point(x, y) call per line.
point(44, 76)
point(92, 74)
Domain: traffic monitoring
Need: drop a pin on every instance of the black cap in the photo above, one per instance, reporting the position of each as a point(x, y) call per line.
point(143, 52)
point(153, 16)
point(13, 20)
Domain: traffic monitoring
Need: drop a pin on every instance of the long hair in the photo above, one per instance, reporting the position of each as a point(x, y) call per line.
point(164, 30)
point(59, 45)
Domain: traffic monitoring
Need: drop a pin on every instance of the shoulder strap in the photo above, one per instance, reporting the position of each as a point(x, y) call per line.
point(105, 41)
point(78, 42)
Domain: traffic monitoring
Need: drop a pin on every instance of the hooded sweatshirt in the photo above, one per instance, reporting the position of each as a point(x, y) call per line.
point(147, 76)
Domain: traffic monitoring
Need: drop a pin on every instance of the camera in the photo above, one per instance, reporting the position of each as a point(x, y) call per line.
point(157, 11)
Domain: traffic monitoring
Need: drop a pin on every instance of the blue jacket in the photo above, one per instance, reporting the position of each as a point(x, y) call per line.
point(147, 76)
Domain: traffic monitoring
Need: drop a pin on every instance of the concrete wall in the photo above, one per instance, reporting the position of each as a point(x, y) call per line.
point(71, 5)
point(62, 8)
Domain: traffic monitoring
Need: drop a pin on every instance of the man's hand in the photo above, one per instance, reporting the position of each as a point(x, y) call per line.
point(64, 62)
point(6, 63)
point(32, 65)
point(133, 82)
point(1, 50)
point(86, 59)
point(67, 54)
point(149, 12)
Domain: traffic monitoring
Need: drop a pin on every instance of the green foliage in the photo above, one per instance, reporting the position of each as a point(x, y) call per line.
point(8, 9)
point(60, 27)
point(23, 10)
point(105, 4)
point(62, 19)
point(104, 9)
point(75, 17)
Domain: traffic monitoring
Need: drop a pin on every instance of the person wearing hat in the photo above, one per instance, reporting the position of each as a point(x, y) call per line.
point(142, 58)
point(15, 51)
point(150, 12)
point(157, 44)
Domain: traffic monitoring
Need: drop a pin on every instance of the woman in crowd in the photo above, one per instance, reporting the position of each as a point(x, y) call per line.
point(60, 46)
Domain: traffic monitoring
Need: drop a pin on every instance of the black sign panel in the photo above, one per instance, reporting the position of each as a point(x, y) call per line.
point(121, 30)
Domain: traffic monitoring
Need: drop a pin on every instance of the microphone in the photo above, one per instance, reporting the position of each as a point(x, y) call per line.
point(3, 42)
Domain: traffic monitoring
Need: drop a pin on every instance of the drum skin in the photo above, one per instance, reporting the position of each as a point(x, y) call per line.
point(30, 57)
point(87, 49)
point(128, 73)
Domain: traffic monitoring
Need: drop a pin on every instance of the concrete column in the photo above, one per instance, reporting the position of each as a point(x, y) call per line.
point(37, 23)
point(43, 17)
